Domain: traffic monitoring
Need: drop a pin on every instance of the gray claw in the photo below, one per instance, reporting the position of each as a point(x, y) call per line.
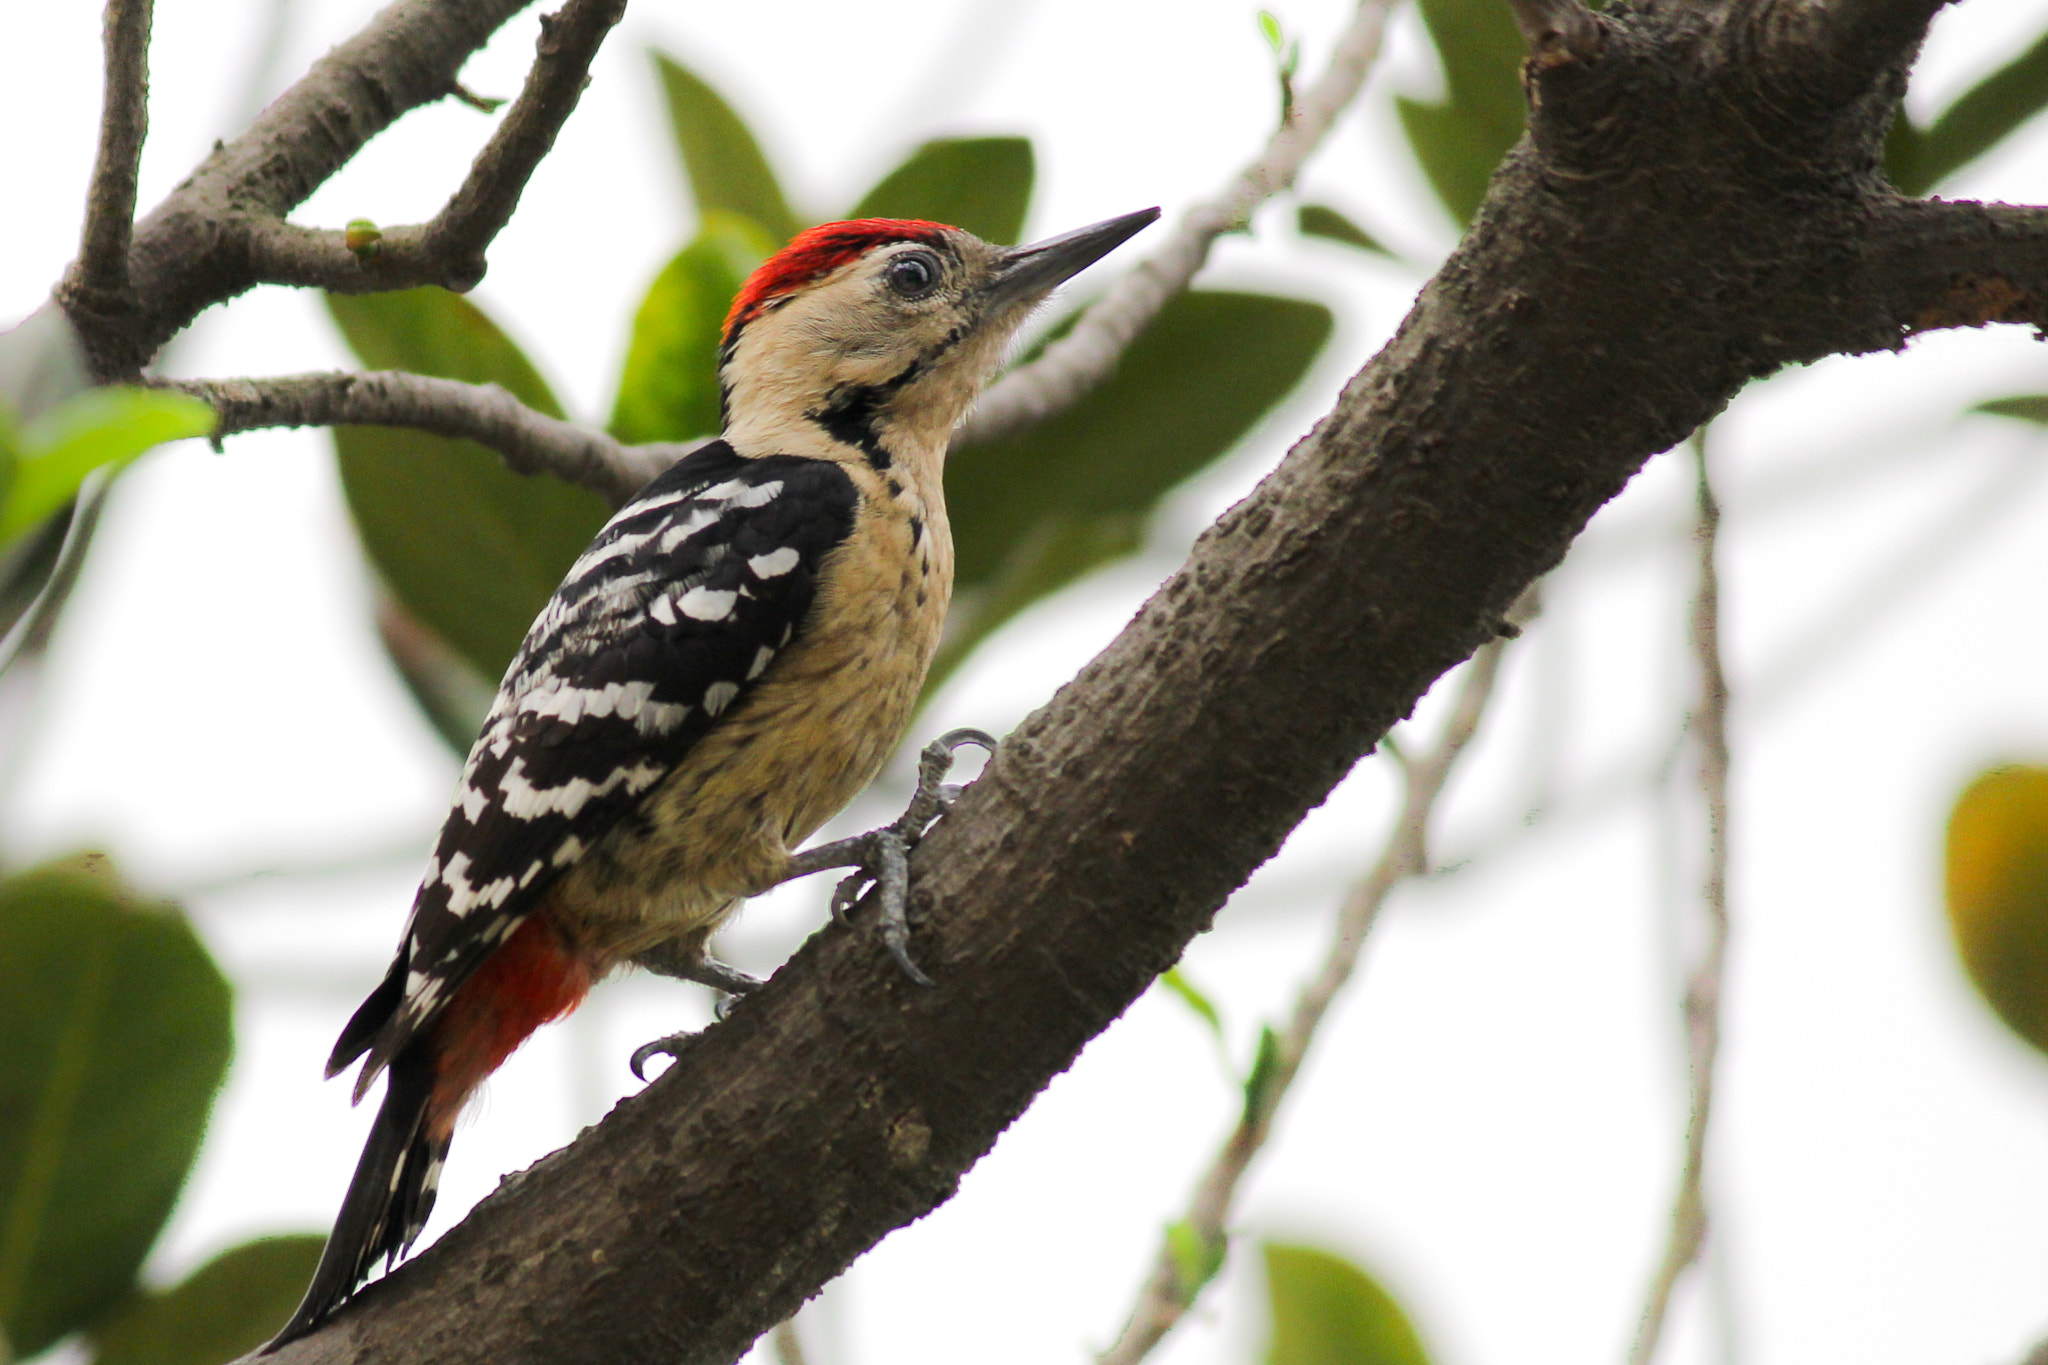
point(670, 1047)
point(880, 859)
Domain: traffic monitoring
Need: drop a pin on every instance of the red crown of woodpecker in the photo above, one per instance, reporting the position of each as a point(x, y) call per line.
point(815, 253)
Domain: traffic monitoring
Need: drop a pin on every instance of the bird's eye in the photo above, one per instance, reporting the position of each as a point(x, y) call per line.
point(912, 276)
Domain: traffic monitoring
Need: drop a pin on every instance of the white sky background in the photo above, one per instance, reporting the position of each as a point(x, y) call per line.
point(1492, 1118)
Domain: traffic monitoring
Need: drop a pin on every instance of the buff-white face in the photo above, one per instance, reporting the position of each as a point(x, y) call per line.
point(898, 324)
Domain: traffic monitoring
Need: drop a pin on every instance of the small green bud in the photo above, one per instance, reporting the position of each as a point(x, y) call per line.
point(362, 237)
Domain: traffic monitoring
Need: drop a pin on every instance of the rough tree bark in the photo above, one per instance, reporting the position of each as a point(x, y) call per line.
point(1698, 203)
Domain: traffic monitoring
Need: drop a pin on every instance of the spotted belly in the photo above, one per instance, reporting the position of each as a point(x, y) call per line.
point(809, 738)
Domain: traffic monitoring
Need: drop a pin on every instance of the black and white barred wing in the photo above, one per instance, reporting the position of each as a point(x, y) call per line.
point(673, 614)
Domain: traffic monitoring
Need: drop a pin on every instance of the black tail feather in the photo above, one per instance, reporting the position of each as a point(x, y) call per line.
point(370, 1016)
point(388, 1199)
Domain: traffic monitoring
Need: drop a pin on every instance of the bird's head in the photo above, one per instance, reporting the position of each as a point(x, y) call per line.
point(876, 334)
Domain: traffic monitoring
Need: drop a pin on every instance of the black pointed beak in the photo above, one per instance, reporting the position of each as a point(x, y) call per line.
point(1031, 272)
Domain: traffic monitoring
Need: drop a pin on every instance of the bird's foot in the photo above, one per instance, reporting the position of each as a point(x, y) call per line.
point(881, 857)
point(688, 964)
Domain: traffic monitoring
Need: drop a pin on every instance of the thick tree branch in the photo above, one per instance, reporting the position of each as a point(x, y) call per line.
point(1639, 259)
point(223, 231)
point(1557, 30)
point(1088, 354)
point(1852, 41)
point(1167, 1296)
point(1940, 263)
point(531, 442)
point(102, 267)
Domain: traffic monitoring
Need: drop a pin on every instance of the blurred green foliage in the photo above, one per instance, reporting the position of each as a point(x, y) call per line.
point(1327, 1311)
point(470, 548)
point(1458, 140)
point(227, 1307)
point(118, 1034)
point(1917, 159)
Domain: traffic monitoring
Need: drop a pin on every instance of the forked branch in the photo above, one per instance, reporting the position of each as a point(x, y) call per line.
point(223, 230)
point(448, 250)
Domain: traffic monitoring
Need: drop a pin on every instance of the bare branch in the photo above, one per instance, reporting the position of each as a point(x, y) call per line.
point(448, 250)
point(1690, 1221)
point(1167, 1296)
point(789, 1347)
point(102, 266)
point(1088, 354)
point(223, 231)
point(530, 442)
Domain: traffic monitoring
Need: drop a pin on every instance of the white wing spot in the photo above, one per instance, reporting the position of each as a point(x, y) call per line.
point(525, 801)
point(774, 565)
point(462, 897)
point(707, 604)
point(690, 526)
point(758, 496)
point(663, 610)
point(632, 701)
point(568, 851)
point(762, 658)
point(718, 696)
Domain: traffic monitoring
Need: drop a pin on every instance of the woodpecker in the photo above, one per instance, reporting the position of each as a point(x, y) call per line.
point(728, 664)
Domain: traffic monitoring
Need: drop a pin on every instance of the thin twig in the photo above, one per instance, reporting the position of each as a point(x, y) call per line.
point(789, 1347)
point(448, 249)
point(124, 122)
point(1087, 355)
point(33, 625)
point(531, 442)
point(1690, 1221)
point(1167, 1295)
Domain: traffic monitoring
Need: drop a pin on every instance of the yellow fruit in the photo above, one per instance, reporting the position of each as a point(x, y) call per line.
point(1997, 883)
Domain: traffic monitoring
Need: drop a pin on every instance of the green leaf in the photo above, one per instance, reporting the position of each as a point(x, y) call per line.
point(2031, 408)
point(982, 184)
point(118, 1034)
point(1269, 25)
point(472, 549)
point(1258, 1083)
point(1034, 512)
point(101, 426)
point(228, 1306)
point(1205, 1008)
point(669, 388)
point(1460, 141)
point(1196, 1258)
point(1918, 159)
point(1326, 1311)
point(446, 687)
point(1320, 220)
point(726, 168)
